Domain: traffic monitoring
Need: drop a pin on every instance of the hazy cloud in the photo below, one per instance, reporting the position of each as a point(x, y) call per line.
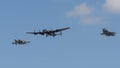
point(81, 9)
point(112, 6)
point(85, 14)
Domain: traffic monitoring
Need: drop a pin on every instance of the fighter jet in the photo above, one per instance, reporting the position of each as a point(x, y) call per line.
point(107, 33)
point(49, 32)
point(20, 42)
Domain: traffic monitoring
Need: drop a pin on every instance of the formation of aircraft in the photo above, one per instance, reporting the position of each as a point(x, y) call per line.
point(107, 33)
point(49, 32)
point(56, 32)
point(44, 32)
point(20, 42)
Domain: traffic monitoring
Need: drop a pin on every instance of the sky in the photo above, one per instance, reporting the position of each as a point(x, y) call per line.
point(82, 46)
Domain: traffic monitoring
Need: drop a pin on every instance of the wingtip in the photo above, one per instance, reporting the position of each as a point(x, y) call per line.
point(68, 28)
point(27, 32)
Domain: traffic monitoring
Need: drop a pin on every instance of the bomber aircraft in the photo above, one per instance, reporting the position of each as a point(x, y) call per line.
point(20, 42)
point(107, 33)
point(49, 32)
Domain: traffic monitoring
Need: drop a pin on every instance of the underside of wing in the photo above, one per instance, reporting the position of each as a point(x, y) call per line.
point(30, 32)
point(58, 30)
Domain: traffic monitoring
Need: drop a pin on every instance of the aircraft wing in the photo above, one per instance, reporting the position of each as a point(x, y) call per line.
point(42, 33)
point(58, 30)
point(31, 32)
point(113, 33)
point(35, 33)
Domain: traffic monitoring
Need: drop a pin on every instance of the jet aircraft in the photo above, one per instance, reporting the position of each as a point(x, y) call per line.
point(49, 32)
point(107, 33)
point(20, 42)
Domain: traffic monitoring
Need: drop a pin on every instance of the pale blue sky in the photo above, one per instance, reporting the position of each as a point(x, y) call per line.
point(82, 46)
